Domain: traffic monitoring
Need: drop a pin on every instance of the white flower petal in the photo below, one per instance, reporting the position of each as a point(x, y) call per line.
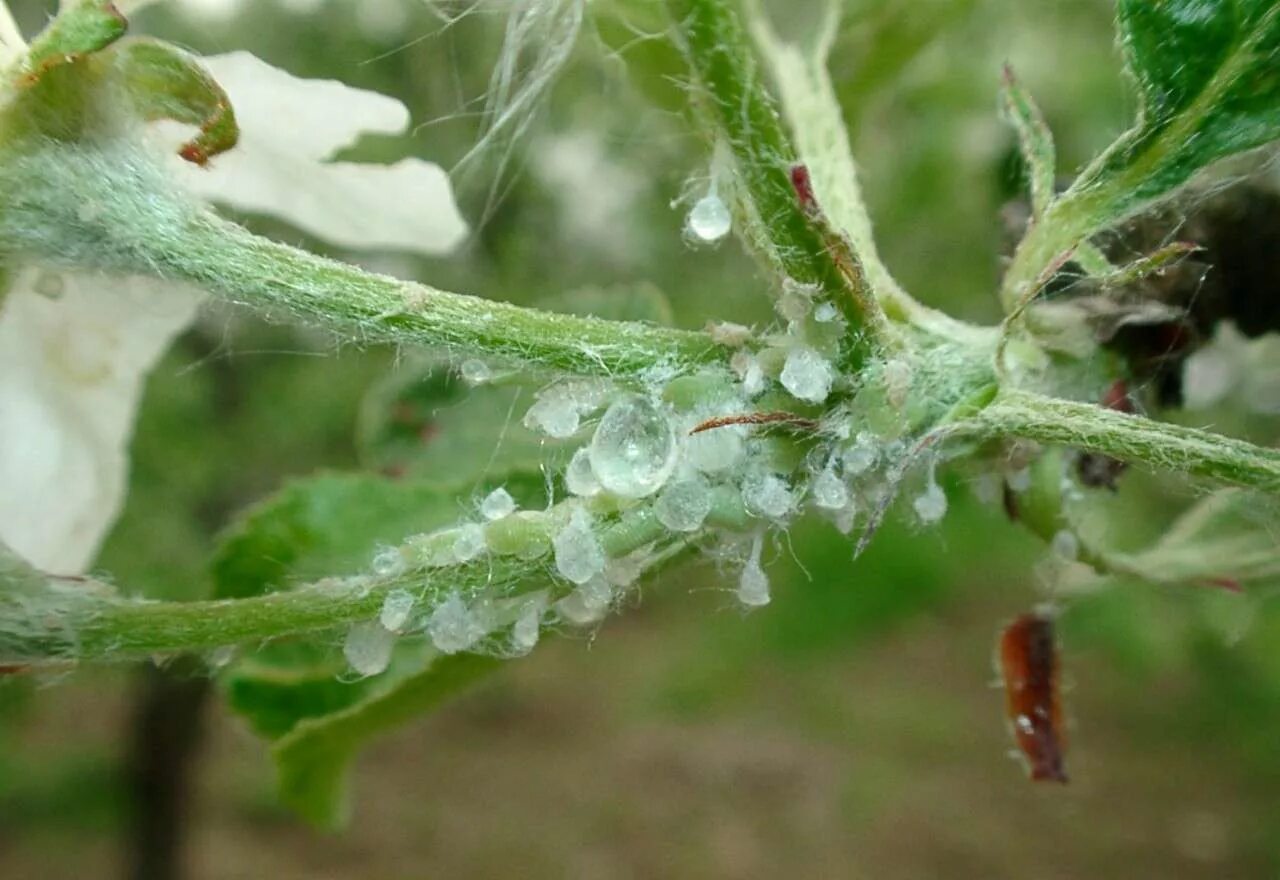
point(12, 46)
point(74, 352)
point(288, 127)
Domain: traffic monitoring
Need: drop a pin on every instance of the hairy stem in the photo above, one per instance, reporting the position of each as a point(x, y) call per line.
point(737, 110)
point(1129, 438)
point(49, 619)
point(109, 209)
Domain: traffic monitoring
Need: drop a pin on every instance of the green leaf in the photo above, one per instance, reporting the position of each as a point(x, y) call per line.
point(298, 690)
point(284, 682)
point(313, 760)
point(423, 420)
point(1035, 141)
point(325, 525)
point(1208, 83)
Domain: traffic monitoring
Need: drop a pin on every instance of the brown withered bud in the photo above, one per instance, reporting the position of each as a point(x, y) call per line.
point(1028, 659)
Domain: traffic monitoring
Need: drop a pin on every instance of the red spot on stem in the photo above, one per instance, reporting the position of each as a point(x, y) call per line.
point(803, 185)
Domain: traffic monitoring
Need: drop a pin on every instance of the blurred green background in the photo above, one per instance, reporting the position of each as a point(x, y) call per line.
point(851, 728)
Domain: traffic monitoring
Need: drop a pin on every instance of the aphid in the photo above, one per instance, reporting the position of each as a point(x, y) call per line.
point(1028, 658)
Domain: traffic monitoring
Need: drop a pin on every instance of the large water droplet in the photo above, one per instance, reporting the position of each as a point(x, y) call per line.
point(709, 218)
point(634, 448)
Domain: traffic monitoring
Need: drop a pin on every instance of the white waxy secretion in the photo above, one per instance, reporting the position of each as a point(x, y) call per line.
point(684, 504)
point(931, 504)
point(807, 375)
point(579, 478)
point(1066, 545)
point(475, 372)
point(579, 556)
point(825, 313)
point(716, 450)
point(633, 451)
point(559, 409)
point(767, 495)
point(497, 504)
point(753, 583)
point(588, 603)
point(524, 634)
point(469, 542)
point(388, 562)
point(828, 490)
point(862, 455)
point(368, 647)
point(453, 627)
point(709, 219)
point(396, 609)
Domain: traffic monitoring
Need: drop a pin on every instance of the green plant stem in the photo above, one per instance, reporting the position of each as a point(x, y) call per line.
point(139, 225)
point(46, 619)
point(237, 265)
point(1128, 438)
point(738, 111)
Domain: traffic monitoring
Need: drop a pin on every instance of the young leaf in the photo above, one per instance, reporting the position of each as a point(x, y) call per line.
point(80, 29)
point(1035, 141)
point(1208, 88)
point(287, 681)
point(166, 83)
